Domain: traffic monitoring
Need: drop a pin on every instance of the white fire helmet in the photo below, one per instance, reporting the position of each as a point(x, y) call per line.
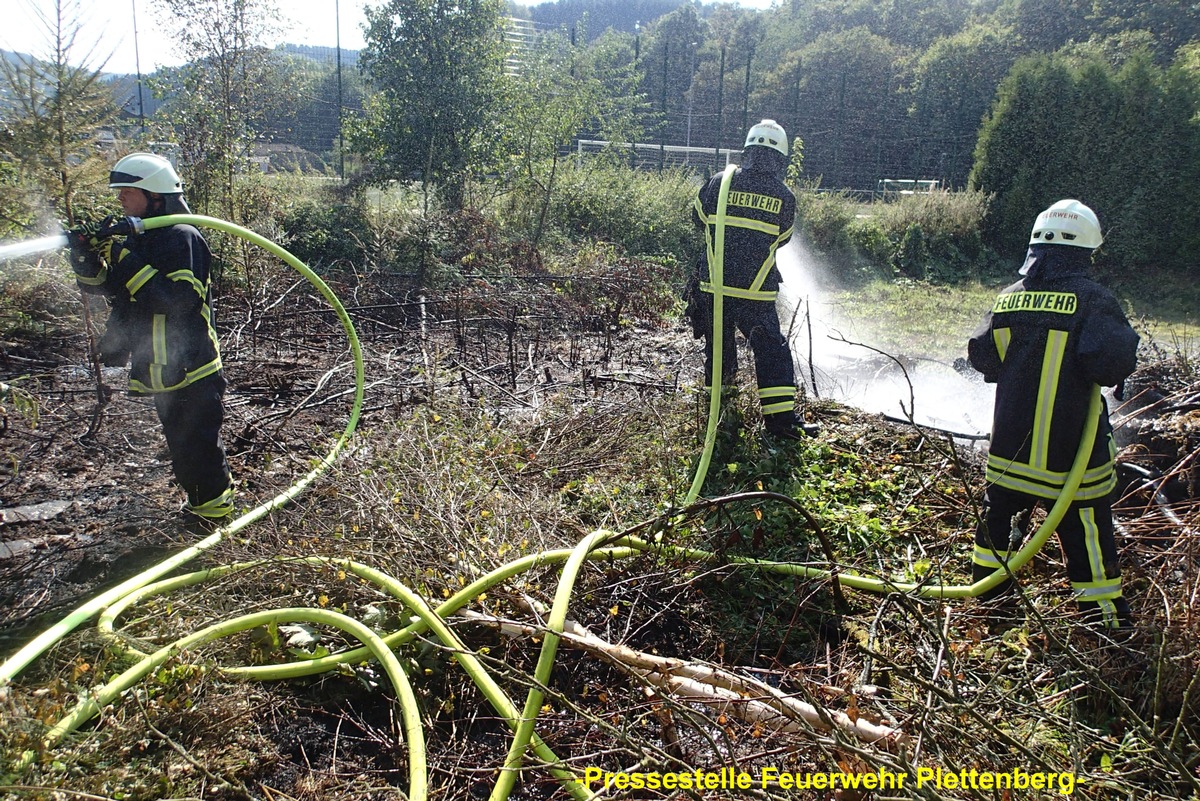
point(1067, 222)
point(147, 171)
point(768, 133)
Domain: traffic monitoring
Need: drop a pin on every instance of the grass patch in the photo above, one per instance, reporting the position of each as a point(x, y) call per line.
point(917, 318)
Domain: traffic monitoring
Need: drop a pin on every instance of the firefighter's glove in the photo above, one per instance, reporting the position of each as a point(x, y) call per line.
point(103, 244)
point(84, 259)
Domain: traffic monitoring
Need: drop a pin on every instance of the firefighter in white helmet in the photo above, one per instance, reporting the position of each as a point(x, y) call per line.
point(1047, 340)
point(760, 216)
point(161, 323)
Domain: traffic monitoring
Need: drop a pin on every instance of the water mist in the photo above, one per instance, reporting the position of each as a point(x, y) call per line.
point(836, 358)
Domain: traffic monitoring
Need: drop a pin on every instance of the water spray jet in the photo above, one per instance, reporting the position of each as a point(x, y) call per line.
point(29, 247)
point(838, 364)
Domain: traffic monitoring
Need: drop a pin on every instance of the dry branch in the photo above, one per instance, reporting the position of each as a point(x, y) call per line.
point(747, 699)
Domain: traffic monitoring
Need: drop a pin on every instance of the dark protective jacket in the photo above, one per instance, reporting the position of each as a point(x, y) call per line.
point(162, 307)
point(1046, 341)
point(759, 218)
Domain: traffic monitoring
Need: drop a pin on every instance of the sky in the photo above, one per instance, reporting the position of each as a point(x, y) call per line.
point(107, 29)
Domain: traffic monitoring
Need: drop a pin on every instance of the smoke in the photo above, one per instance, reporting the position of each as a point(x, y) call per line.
point(838, 358)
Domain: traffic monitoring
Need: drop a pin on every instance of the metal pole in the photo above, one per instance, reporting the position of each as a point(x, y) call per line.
point(662, 139)
point(337, 32)
point(720, 101)
point(137, 63)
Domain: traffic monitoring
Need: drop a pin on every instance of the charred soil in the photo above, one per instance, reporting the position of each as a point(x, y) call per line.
point(501, 422)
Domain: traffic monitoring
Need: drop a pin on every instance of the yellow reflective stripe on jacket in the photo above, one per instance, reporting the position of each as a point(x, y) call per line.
point(734, 292)
point(1002, 337)
point(188, 276)
point(139, 279)
point(769, 263)
point(990, 557)
point(212, 332)
point(1043, 415)
point(158, 339)
point(771, 229)
point(763, 271)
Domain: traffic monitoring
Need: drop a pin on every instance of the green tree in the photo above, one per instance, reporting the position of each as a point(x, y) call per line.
point(669, 60)
point(1121, 138)
point(848, 107)
point(1046, 25)
point(436, 68)
point(953, 85)
point(1170, 24)
point(57, 107)
point(559, 92)
point(1023, 148)
point(219, 102)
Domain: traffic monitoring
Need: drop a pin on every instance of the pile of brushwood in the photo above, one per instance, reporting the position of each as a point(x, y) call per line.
point(495, 431)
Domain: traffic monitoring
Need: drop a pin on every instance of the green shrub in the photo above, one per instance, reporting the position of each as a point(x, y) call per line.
point(645, 213)
point(824, 218)
point(612, 288)
point(934, 235)
point(322, 231)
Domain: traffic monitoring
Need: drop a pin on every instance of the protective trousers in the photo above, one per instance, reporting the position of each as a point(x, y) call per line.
point(1088, 544)
point(191, 418)
point(759, 323)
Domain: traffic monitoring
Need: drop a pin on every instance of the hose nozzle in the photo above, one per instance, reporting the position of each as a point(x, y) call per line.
point(123, 226)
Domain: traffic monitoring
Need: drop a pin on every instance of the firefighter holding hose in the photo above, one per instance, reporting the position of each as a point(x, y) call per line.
point(161, 323)
point(760, 215)
point(1047, 340)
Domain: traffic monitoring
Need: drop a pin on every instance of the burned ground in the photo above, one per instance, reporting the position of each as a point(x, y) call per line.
point(502, 422)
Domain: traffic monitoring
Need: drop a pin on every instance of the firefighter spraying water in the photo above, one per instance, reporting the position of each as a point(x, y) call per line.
point(161, 322)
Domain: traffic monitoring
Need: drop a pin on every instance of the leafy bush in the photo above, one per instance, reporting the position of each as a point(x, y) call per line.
point(323, 232)
point(646, 214)
point(610, 288)
point(934, 235)
point(824, 218)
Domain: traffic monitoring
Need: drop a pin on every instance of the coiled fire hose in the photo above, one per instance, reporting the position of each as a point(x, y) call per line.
point(112, 604)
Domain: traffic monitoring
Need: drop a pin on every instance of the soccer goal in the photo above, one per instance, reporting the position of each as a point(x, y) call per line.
point(648, 156)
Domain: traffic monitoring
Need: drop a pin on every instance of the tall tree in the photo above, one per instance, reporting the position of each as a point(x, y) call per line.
point(669, 59)
point(220, 100)
point(58, 105)
point(558, 93)
point(436, 68)
point(844, 89)
point(954, 82)
point(1123, 139)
